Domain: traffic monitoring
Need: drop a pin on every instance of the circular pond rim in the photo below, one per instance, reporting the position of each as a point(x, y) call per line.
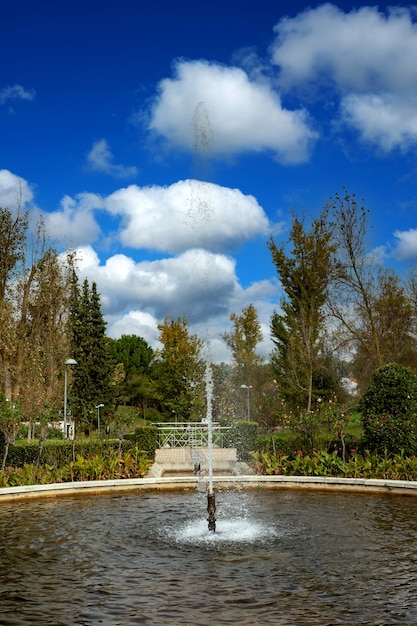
point(178, 483)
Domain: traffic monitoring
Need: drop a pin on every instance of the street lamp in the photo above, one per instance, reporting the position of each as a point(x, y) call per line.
point(98, 407)
point(248, 390)
point(67, 362)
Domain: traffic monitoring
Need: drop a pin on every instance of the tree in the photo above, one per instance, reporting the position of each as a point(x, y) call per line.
point(10, 418)
point(298, 331)
point(394, 324)
point(136, 357)
point(92, 376)
point(243, 340)
point(41, 341)
point(179, 369)
point(226, 407)
point(354, 284)
point(13, 233)
point(121, 421)
point(33, 306)
point(371, 306)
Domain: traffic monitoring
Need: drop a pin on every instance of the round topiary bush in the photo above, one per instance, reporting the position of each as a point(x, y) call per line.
point(389, 411)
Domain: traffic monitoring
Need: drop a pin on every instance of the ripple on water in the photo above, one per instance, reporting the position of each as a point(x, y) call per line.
point(277, 557)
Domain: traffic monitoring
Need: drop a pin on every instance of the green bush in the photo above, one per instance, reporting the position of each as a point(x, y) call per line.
point(59, 453)
point(146, 439)
point(282, 443)
point(132, 464)
point(398, 467)
point(389, 411)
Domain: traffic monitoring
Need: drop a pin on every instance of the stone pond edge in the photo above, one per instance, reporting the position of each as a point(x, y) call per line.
point(104, 487)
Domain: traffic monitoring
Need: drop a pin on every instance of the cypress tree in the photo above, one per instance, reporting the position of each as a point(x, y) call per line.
point(91, 377)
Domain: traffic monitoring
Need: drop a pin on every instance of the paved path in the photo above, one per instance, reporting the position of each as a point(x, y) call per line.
point(174, 461)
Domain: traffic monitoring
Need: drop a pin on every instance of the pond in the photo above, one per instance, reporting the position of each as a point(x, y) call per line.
point(278, 557)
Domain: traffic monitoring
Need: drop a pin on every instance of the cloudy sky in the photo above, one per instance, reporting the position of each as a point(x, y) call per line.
point(167, 143)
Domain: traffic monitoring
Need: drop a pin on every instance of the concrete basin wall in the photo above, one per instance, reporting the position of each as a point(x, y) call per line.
point(102, 487)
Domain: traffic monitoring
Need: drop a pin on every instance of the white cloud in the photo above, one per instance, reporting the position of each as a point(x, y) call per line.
point(366, 56)
point(387, 120)
point(15, 92)
point(187, 214)
point(197, 283)
point(364, 50)
point(74, 223)
point(101, 159)
point(134, 323)
point(15, 192)
point(406, 248)
point(242, 115)
point(87, 258)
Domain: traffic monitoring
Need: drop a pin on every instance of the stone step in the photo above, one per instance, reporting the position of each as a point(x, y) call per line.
point(182, 461)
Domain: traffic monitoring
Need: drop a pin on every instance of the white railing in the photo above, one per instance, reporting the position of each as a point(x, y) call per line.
point(190, 434)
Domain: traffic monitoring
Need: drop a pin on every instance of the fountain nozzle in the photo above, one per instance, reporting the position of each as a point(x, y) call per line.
point(211, 510)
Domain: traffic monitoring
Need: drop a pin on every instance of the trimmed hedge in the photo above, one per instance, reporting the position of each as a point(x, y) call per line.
point(146, 439)
point(389, 411)
point(59, 453)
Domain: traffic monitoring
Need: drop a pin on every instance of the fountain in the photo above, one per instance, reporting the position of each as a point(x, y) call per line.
point(200, 212)
point(277, 557)
point(211, 499)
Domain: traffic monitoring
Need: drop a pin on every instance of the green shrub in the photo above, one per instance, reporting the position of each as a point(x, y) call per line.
point(146, 439)
point(282, 443)
point(370, 465)
point(389, 411)
point(153, 415)
point(58, 453)
point(132, 464)
point(55, 433)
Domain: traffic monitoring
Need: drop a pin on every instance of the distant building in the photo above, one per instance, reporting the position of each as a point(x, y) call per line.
point(70, 427)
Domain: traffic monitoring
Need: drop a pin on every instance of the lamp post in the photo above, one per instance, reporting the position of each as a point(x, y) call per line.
point(98, 407)
point(248, 392)
point(67, 362)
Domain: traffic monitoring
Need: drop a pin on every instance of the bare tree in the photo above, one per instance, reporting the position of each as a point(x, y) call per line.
point(370, 305)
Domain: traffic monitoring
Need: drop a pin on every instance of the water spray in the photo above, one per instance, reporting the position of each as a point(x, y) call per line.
point(211, 500)
point(200, 210)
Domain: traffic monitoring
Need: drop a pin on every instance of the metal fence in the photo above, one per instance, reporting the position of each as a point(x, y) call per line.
point(190, 434)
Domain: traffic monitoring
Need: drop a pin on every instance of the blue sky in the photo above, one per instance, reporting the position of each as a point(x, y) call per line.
point(166, 143)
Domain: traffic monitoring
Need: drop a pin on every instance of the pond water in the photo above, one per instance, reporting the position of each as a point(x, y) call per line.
point(278, 557)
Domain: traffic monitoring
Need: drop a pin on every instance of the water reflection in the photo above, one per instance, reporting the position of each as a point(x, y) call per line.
point(278, 557)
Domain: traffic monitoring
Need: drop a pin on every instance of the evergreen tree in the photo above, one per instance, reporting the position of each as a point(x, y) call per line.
point(134, 352)
point(92, 375)
point(298, 331)
point(134, 357)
